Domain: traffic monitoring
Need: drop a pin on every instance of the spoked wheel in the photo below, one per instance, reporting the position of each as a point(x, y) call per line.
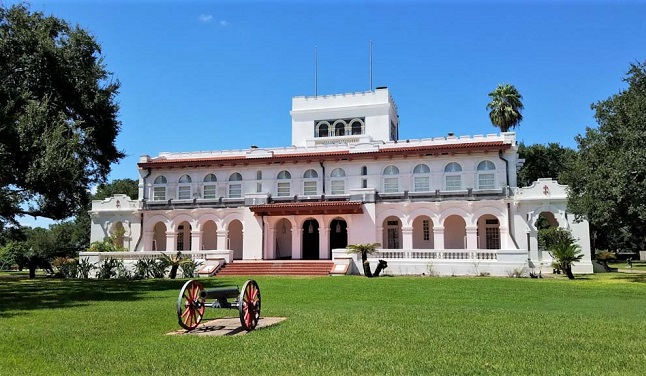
point(249, 307)
point(190, 308)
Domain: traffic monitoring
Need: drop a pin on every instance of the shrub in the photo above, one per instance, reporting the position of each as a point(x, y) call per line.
point(549, 238)
point(603, 256)
point(108, 269)
point(188, 268)
point(65, 267)
point(517, 272)
point(84, 268)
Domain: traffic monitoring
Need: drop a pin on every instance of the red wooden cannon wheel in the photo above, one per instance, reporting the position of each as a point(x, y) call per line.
point(190, 308)
point(249, 307)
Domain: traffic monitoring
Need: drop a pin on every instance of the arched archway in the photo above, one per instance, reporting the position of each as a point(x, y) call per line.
point(310, 240)
point(423, 233)
point(338, 234)
point(183, 240)
point(210, 235)
point(235, 238)
point(159, 237)
point(283, 241)
point(117, 232)
point(546, 220)
point(392, 233)
point(488, 232)
point(455, 232)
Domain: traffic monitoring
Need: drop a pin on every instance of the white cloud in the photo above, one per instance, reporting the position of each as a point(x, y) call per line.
point(224, 23)
point(205, 17)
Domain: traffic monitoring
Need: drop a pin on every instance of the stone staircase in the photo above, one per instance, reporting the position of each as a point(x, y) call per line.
point(277, 267)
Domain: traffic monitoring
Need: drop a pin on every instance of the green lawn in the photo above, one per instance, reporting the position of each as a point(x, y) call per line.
point(336, 325)
point(637, 265)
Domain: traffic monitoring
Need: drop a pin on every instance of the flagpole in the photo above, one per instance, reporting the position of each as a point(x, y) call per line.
point(316, 72)
point(371, 65)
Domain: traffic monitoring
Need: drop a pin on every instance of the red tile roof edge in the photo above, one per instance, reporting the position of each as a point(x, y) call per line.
point(161, 162)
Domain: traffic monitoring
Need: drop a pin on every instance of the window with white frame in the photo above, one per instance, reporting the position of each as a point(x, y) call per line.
point(339, 128)
point(421, 178)
point(184, 188)
point(323, 129)
point(356, 127)
point(426, 229)
point(310, 183)
point(283, 186)
point(364, 181)
point(159, 188)
point(259, 181)
point(486, 175)
point(337, 181)
point(391, 179)
point(209, 188)
point(453, 177)
point(235, 185)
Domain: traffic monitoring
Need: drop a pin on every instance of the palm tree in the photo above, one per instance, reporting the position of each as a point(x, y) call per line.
point(505, 106)
point(365, 250)
point(564, 255)
point(174, 261)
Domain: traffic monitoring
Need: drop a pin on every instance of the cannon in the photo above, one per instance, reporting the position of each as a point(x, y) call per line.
point(193, 299)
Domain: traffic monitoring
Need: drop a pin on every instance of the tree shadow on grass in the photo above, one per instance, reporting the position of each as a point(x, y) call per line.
point(639, 278)
point(46, 293)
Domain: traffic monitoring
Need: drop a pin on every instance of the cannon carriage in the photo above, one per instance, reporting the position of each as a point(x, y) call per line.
point(194, 299)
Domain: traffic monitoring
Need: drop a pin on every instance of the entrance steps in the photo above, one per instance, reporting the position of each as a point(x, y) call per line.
point(277, 267)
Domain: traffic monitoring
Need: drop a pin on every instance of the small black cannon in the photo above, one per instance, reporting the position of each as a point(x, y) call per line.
point(193, 299)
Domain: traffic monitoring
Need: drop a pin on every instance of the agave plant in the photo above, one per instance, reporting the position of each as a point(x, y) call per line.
point(565, 255)
point(365, 250)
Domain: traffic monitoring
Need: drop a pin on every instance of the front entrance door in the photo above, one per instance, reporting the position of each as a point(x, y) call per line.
point(311, 240)
point(338, 234)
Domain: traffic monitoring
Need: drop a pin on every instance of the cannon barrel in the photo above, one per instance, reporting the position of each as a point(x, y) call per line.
point(220, 293)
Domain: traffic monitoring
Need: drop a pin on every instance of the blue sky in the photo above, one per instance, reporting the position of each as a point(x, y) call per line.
point(220, 75)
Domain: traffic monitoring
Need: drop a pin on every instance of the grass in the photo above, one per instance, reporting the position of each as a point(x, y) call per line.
point(637, 265)
point(336, 325)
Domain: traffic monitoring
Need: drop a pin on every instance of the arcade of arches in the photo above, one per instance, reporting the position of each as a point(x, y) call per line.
point(309, 238)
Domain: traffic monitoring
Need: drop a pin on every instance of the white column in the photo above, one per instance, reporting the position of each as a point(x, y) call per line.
point(196, 240)
point(438, 237)
point(271, 239)
point(472, 237)
point(148, 241)
point(221, 242)
point(407, 237)
point(324, 242)
point(505, 242)
point(171, 241)
point(380, 237)
point(297, 252)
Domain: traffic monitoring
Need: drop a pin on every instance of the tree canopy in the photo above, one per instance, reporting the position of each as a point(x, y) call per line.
point(128, 187)
point(505, 107)
point(544, 161)
point(58, 116)
point(607, 180)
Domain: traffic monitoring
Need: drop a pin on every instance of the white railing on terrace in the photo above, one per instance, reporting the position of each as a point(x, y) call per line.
point(436, 254)
point(144, 255)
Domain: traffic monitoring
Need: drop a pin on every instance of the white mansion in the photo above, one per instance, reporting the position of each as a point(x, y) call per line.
point(448, 204)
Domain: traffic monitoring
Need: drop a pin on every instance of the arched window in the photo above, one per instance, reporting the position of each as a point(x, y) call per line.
point(364, 181)
point(356, 127)
point(184, 188)
point(453, 177)
point(486, 175)
point(159, 188)
point(337, 181)
point(391, 179)
point(421, 178)
point(209, 188)
point(323, 129)
point(282, 185)
point(235, 185)
point(310, 183)
point(339, 128)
